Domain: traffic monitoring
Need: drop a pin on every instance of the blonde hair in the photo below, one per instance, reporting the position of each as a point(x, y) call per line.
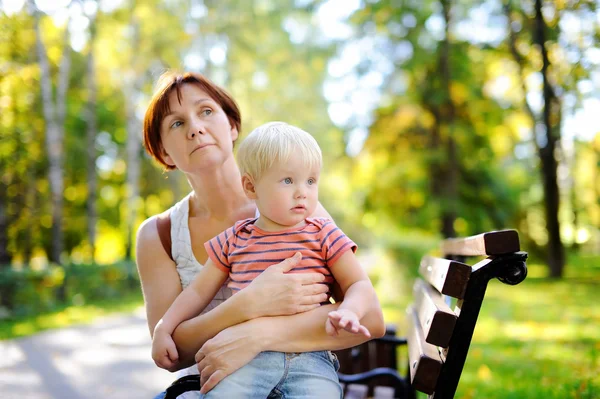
point(275, 142)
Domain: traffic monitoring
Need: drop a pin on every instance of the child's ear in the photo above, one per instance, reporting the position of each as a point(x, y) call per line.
point(248, 186)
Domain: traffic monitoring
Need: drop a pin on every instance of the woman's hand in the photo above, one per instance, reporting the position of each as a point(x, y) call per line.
point(229, 350)
point(275, 292)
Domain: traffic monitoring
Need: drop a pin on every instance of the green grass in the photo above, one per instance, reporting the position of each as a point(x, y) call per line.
point(68, 315)
point(537, 340)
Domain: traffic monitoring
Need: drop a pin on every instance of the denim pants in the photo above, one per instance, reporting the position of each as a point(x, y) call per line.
point(279, 375)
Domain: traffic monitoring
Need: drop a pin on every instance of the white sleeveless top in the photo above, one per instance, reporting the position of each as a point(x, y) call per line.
point(188, 266)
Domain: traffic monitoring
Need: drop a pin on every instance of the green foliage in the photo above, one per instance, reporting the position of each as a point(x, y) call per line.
point(66, 315)
point(27, 292)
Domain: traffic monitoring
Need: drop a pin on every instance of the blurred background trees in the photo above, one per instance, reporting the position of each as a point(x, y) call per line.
point(437, 118)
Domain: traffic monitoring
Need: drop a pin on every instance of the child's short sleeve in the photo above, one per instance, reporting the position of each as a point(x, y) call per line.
point(334, 243)
point(218, 249)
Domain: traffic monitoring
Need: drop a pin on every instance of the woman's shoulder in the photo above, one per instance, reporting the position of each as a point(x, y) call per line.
point(148, 230)
point(157, 228)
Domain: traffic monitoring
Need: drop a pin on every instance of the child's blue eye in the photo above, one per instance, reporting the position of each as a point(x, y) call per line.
point(311, 181)
point(287, 180)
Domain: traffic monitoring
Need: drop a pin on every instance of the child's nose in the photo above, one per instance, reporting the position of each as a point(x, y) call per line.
point(300, 193)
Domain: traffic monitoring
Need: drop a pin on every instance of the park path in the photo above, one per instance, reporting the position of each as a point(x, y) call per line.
point(107, 359)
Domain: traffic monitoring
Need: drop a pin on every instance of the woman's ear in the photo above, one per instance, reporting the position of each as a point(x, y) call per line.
point(248, 186)
point(234, 133)
point(166, 158)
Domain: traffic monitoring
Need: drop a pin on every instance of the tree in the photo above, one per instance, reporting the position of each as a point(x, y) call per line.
point(54, 111)
point(92, 131)
point(550, 122)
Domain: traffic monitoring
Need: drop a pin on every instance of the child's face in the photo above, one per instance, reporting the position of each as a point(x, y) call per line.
point(287, 193)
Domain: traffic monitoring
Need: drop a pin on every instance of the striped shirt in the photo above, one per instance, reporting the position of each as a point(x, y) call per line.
point(244, 250)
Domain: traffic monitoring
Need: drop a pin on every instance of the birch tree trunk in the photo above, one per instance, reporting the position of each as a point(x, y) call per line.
point(450, 181)
point(131, 90)
point(54, 117)
point(5, 257)
point(92, 131)
point(133, 165)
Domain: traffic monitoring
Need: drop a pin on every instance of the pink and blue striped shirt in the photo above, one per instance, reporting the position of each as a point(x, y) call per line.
point(244, 250)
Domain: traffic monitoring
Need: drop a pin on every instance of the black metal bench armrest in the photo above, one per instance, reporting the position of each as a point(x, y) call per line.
point(183, 384)
point(390, 339)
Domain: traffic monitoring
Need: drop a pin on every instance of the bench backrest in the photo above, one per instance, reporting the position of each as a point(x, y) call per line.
point(439, 337)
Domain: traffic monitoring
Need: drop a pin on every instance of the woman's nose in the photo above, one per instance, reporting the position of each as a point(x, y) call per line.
point(194, 130)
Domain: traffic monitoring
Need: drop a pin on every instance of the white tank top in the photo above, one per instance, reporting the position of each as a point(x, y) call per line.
point(188, 266)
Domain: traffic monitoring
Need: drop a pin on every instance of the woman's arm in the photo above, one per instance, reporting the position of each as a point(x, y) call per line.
point(289, 294)
point(161, 286)
point(195, 298)
point(304, 332)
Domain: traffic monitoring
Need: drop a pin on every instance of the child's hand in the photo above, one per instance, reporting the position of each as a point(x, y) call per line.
point(164, 351)
point(344, 319)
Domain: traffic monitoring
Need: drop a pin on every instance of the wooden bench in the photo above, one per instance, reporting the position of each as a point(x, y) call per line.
point(438, 338)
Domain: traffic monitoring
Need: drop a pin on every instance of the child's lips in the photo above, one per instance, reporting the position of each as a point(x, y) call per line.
point(299, 208)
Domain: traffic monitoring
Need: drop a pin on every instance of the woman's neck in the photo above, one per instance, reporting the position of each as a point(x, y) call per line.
point(218, 194)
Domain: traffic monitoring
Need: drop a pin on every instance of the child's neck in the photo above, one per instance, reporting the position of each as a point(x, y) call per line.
point(267, 224)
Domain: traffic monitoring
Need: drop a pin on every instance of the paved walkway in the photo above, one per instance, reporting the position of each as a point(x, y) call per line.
point(107, 359)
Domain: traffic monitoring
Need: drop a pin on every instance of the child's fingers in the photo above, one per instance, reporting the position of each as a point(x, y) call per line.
point(364, 331)
point(334, 316)
point(343, 322)
point(164, 362)
point(172, 353)
point(330, 328)
point(353, 326)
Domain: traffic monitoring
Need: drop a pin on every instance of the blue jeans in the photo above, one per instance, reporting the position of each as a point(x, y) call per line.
point(278, 375)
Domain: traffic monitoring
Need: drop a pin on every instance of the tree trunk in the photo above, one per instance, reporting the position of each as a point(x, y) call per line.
point(512, 42)
point(133, 145)
point(92, 130)
point(54, 117)
point(5, 256)
point(551, 121)
point(450, 181)
point(133, 167)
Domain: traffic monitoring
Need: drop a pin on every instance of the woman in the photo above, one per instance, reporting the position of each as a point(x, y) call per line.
point(191, 125)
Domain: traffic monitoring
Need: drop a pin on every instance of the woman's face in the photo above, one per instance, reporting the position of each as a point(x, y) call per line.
point(196, 135)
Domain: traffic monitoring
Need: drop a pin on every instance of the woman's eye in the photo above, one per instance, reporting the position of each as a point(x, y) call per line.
point(207, 111)
point(287, 180)
point(176, 124)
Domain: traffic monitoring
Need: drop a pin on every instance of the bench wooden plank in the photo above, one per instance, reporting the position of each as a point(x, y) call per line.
point(435, 316)
point(383, 393)
point(448, 276)
point(424, 359)
point(492, 243)
point(356, 391)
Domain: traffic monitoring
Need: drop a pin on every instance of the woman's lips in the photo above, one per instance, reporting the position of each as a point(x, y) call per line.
point(201, 146)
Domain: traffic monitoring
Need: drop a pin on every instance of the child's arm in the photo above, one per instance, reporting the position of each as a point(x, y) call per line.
point(359, 297)
point(188, 304)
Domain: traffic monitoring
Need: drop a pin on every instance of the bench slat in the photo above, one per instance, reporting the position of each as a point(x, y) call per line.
point(355, 391)
point(383, 393)
point(435, 316)
point(448, 276)
point(425, 362)
point(492, 243)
